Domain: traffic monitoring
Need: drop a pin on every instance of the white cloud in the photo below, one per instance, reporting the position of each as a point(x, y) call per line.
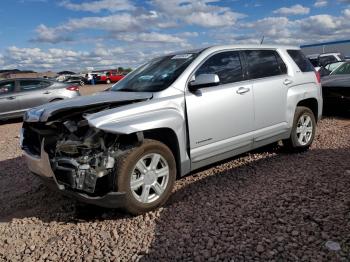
point(320, 3)
point(293, 10)
point(321, 24)
point(346, 13)
point(271, 27)
point(99, 5)
point(198, 12)
point(117, 23)
point(50, 35)
point(207, 19)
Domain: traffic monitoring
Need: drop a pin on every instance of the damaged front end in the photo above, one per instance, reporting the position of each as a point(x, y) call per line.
point(77, 157)
point(82, 158)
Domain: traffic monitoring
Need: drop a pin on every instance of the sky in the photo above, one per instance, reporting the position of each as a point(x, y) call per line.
point(55, 35)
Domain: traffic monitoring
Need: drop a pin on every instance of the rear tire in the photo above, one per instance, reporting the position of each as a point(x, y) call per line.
point(303, 131)
point(147, 175)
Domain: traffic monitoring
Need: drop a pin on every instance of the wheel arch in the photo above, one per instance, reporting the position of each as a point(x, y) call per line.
point(168, 137)
point(310, 103)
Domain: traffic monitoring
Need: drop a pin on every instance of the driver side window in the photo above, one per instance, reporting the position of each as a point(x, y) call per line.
point(227, 65)
point(7, 87)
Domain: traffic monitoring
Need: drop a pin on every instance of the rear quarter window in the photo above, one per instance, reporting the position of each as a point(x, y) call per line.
point(300, 59)
point(265, 63)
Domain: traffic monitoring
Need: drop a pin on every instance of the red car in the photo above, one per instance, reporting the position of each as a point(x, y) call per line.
point(109, 77)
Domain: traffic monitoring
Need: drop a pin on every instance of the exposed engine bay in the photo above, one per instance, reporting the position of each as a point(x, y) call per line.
point(83, 155)
point(82, 158)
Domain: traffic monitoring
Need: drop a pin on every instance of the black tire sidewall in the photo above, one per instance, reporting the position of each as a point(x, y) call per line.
point(125, 170)
point(294, 138)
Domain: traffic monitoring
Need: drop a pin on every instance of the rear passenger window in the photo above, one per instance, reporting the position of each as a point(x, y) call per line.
point(265, 63)
point(227, 65)
point(303, 63)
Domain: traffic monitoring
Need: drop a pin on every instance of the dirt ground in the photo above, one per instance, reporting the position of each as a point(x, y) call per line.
point(90, 89)
point(268, 205)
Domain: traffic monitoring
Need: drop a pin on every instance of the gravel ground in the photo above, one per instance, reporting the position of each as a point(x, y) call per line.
point(264, 206)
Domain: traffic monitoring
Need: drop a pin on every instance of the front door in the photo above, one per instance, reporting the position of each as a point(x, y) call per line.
point(220, 118)
point(9, 105)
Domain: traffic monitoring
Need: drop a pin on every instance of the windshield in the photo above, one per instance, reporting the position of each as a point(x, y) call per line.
point(156, 75)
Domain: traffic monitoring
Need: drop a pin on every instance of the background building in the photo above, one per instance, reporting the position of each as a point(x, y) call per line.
point(328, 47)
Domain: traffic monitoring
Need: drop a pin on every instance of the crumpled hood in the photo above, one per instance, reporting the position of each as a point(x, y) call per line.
point(336, 80)
point(85, 102)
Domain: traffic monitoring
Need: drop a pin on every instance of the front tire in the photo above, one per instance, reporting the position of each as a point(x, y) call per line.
point(303, 131)
point(147, 175)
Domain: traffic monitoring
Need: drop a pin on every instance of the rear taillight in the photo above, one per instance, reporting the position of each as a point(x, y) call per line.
point(73, 88)
point(318, 76)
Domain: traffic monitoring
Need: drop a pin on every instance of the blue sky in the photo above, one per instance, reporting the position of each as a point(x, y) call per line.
point(74, 34)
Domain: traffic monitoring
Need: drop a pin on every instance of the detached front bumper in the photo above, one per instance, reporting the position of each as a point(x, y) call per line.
point(40, 166)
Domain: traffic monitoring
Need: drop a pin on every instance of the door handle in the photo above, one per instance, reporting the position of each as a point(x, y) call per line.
point(242, 90)
point(287, 82)
point(11, 97)
point(46, 92)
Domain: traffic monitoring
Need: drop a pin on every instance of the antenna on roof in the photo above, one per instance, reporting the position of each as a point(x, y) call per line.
point(262, 40)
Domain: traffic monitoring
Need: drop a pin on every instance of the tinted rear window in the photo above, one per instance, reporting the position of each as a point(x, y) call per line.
point(265, 63)
point(303, 63)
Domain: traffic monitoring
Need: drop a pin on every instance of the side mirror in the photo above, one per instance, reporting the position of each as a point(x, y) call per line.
point(203, 80)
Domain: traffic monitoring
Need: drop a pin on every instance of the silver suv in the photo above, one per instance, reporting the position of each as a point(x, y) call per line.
point(126, 146)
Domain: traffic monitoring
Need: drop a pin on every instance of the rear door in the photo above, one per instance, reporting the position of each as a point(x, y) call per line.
point(9, 105)
point(33, 92)
point(270, 82)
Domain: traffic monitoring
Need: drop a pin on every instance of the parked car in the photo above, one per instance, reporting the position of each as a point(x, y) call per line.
point(109, 77)
point(78, 80)
point(19, 95)
point(322, 60)
point(329, 68)
point(336, 88)
point(180, 112)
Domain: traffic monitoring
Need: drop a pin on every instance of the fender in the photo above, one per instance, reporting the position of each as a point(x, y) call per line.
point(147, 115)
point(299, 93)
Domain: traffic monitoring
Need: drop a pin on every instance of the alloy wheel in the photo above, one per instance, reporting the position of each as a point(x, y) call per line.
point(149, 178)
point(304, 129)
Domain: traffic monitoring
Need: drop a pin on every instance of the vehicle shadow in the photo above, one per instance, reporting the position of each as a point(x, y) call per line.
point(11, 121)
point(336, 112)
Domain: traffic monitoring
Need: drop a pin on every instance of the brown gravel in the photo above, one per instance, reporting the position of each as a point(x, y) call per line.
point(264, 206)
point(89, 89)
